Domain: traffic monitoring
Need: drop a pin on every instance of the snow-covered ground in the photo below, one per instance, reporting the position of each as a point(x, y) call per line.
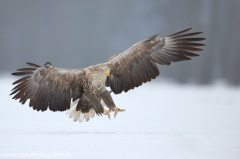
point(162, 120)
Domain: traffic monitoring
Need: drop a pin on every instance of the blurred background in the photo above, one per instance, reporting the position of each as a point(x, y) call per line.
point(75, 34)
point(199, 119)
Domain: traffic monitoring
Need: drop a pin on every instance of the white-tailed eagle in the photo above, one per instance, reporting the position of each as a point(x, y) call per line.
point(83, 91)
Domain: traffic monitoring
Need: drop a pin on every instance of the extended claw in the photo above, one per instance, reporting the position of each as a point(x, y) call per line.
point(107, 112)
point(116, 110)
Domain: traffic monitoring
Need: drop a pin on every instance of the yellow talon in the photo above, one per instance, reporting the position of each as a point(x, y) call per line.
point(116, 110)
point(107, 112)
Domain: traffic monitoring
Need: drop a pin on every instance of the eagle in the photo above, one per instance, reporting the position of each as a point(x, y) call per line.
point(83, 91)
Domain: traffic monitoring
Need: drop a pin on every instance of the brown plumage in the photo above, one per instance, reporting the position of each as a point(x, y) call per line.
point(53, 88)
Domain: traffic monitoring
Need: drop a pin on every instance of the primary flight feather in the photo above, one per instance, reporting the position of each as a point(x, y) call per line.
point(83, 91)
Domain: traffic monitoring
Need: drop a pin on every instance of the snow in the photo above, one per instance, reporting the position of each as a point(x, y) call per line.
point(162, 120)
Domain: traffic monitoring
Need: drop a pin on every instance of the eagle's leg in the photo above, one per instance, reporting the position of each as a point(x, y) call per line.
point(105, 112)
point(110, 104)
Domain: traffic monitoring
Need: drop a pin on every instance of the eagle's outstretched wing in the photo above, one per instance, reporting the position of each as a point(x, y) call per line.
point(48, 86)
point(137, 64)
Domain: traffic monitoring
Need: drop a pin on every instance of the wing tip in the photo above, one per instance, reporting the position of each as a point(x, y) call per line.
point(180, 32)
point(32, 64)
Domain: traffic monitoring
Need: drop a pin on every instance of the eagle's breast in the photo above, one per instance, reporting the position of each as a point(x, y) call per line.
point(94, 82)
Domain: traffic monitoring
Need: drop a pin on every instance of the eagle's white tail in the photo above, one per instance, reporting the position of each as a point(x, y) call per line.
point(78, 115)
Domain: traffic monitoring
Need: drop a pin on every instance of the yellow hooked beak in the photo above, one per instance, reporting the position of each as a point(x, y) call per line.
point(107, 72)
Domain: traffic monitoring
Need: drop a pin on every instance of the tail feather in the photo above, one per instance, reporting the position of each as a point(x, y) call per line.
point(78, 115)
point(73, 106)
point(92, 113)
point(73, 113)
point(86, 116)
point(81, 117)
point(102, 102)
